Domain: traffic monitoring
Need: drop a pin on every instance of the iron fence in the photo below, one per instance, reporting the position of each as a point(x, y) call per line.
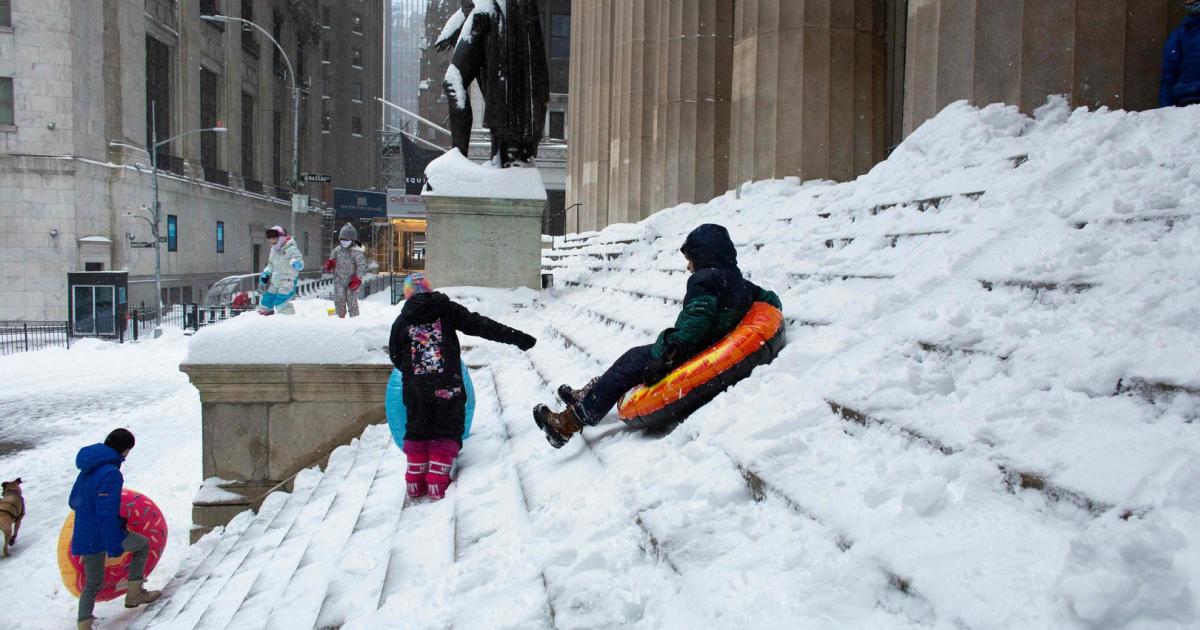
point(25, 336)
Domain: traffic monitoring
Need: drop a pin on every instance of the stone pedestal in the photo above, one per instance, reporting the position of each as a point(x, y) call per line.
point(484, 242)
point(262, 424)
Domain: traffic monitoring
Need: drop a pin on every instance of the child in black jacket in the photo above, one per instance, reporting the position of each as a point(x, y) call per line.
point(424, 347)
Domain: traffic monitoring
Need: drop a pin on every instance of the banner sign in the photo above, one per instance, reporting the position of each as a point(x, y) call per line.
point(358, 204)
point(416, 158)
point(400, 205)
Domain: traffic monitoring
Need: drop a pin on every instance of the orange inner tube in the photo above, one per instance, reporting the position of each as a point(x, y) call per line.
point(760, 324)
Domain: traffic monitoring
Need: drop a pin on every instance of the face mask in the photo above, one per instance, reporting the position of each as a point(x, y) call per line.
point(346, 244)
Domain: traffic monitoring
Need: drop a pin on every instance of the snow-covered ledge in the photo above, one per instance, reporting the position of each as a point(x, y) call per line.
point(484, 224)
point(278, 394)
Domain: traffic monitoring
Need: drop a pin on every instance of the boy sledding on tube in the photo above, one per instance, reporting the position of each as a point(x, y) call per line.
point(717, 299)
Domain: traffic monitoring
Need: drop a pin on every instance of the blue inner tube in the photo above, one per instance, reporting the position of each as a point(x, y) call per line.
point(397, 415)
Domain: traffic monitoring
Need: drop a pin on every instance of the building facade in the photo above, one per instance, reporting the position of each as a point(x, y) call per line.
point(680, 100)
point(88, 84)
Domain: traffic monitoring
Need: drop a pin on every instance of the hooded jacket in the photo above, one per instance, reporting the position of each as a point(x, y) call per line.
point(717, 297)
point(284, 263)
point(348, 261)
point(424, 348)
point(1181, 64)
point(96, 499)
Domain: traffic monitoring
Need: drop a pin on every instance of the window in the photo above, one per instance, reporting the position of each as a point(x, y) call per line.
point(158, 91)
point(247, 135)
point(356, 91)
point(94, 266)
point(356, 57)
point(326, 52)
point(6, 101)
point(220, 237)
point(326, 20)
point(172, 233)
point(249, 35)
point(356, 24)
point(208, 118)
point(6, 13)
point(560, 35)
point(558, 125)
point(212, 7)
point(356, 125)
point(301, 61)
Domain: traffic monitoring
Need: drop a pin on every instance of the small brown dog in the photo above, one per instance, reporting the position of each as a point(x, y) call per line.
point(12, 510)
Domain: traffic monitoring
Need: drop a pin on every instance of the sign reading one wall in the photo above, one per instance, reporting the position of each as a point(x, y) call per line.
point(358, 204)
point(404, 206)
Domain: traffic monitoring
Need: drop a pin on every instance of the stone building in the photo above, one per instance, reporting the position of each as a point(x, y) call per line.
point(680, 100)
point(84, 80)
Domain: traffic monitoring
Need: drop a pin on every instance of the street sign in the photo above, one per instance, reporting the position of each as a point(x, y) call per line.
point(299, 204)
point(315, 177)
point(142, 244)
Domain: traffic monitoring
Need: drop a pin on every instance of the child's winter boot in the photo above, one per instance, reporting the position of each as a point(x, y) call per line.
point(558, 427)
point(417, 452)
point(570, 395)
point(136, 595)
point(441, 459)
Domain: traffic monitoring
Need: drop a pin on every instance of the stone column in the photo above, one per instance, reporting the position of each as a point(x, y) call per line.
point(809, 89)
point(575, 129)
point(1097, 52)
point(692, 104)
point(634, 88)
point(597, 16)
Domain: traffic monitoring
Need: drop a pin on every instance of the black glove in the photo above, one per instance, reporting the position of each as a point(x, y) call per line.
point(526, 342)
point(657, 370)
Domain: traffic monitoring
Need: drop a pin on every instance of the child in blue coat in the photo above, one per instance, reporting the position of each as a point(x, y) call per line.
point(99, 529)
point(1181, 62)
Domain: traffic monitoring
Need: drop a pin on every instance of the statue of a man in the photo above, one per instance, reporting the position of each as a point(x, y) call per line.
point(498, 43)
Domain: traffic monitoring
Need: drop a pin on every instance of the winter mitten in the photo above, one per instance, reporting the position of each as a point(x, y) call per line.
point(526, 341)
point(330, 265)
point(656, 371)
point(355, 282)
point(264, 277)
point(298, 265)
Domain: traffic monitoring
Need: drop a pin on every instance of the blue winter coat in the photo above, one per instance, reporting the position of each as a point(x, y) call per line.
point(1181, 64)
point(96, 499)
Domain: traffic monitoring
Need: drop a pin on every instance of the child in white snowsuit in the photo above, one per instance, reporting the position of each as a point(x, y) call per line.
point(424, 348)
point(348, 264)
point(281, 274)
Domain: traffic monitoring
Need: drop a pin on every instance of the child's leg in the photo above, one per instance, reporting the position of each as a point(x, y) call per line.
point(339, 299)
point(93, 579)
point(418, 464)
point(441, 458)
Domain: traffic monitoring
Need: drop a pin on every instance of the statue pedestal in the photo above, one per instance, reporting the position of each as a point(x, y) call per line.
point(484, 242)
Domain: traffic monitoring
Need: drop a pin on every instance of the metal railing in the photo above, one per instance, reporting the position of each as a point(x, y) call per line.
point(25, 336)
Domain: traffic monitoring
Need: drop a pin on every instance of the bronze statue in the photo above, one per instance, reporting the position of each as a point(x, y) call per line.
point(499, 44)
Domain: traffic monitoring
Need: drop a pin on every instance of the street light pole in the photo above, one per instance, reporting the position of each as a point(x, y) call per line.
point(295, 183)
point(157, 209)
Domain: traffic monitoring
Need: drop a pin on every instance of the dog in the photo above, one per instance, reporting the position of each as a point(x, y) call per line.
point(12, 511)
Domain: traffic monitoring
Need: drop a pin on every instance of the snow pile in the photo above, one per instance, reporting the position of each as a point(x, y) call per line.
point(453, 175)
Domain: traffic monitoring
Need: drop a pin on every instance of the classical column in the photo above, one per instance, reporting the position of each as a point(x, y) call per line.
point(634, 87)
point(692, 103)
point(1097, 52)
point(809, 89)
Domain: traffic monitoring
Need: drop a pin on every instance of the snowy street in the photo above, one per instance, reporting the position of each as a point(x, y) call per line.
point(985, 418)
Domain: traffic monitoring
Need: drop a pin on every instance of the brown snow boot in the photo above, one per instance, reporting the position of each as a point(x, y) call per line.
point(558, 427)
point(570, 395)
point(136, 595)
point(86, 624)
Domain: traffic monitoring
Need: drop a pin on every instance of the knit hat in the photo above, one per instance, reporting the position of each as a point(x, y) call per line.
point(120, 440)
point(275, 231)
point(348, 233)
point(415, 283)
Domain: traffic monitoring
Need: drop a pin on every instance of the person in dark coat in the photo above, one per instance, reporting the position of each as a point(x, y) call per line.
point(717, 299)
point(1181, 62)
point(424, 348)
point(99, 528)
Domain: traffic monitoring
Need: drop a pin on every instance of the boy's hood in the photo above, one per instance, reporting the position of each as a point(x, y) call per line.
point(709, 246)
point(92, 457)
